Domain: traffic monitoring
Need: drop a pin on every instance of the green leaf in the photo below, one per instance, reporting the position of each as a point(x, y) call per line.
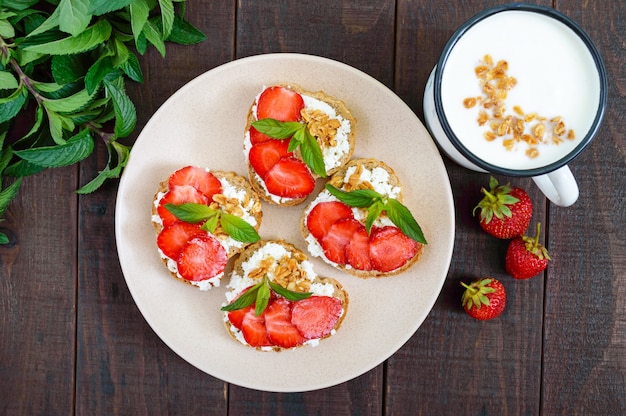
point(312, 153)
point(36, 125)
point(404, 220)
point(55, 122)
point(238, 228)
point(50, 23)
point(74, 16)
point(97, 72)
point(360, 198)
point(4, 239)
point(277, 129)
point(7, 195)
point(121, 52)
point(139, 12)
point(373, 212)
point(132, 69)
point(151, 31)
point(8, 81)
point(22, 168)
point(289, 294)
point(167, 17)
point(92, 37)
point(191, 212)
point(246, 299)
point(76, 149)
point(11, 106)
point(67, 68)
point(100, 7)
point(184, 33)
point(211, 224)
point(19, 4)
point(125, 113)
point(262, 298)
point(122, 152)
point(73, 103)
point(6, 29)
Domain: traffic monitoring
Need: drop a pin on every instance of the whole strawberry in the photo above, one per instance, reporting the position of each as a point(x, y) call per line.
point(525, 257)
point(505, 210)
point(484, 299)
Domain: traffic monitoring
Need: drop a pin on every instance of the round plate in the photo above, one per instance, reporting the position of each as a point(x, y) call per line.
point(202, 124)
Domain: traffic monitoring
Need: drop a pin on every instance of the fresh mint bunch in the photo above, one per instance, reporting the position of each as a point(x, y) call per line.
point(63, 69)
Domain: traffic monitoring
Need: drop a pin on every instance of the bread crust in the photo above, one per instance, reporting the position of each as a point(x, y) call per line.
point(339, 181)
point(341, 110)
point(238, 269)
point(235, 180)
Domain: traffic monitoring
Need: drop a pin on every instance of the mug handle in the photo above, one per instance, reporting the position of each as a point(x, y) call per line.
point(558, 186)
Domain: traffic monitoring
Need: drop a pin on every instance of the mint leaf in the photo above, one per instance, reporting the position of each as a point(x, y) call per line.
point(97, 72)
point(125, 113)
point(373, 212)
point(6, 29)
point(289, 294)
point(7, 81)
point(74, 150)
point(402, 217)
point(262, 297)
point(246, 299)
point(8, 193)
point(191, 212)
point(100, 7)
point(167, 17)
point(11, 106)
point(153, 36)
point(184, 33)
point(73, 103)
point(277, 129)
point(132, 69)
point(67, 68)
point(92, 37)
point(311, 152)
point(74, 16)
point(360, 198)
point(50, 23)
point(139, 12)
point(238, 228)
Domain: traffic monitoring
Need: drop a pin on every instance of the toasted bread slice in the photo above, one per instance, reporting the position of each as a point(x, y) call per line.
point(235, 196)
point(287, 266)
point(328, 120)
point(365, 173)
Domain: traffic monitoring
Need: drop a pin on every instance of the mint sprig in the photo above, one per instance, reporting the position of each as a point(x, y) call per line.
point(234, 226)
point(375, 204)
point(301, 138)
point(260, 294)
point(63, 72)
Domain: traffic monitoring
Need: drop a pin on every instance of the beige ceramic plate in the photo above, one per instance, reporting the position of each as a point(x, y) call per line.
point(202, 124)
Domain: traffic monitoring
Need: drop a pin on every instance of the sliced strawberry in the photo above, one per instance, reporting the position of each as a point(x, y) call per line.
point(173, 238)
point(289, 178)
point(178, 195)
point(258, 137)
point(324, 214)
point(263, 156)
point(278, 324)
point(390, 248)
point(316, 316)
point(201, 179)
point(236, 317)
point(253, 329)
point(202, 258)
point(358, 250)
point(337, 238)
point(280, 104)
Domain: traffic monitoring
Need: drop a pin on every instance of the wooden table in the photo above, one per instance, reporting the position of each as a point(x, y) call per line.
point(72, 340)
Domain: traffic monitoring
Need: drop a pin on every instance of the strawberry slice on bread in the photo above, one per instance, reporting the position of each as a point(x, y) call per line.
point(317, 133)
point(202, 218)
point(276, 301)
point(359, 225)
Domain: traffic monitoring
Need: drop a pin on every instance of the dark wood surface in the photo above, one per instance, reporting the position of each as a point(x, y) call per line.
point(72, 340)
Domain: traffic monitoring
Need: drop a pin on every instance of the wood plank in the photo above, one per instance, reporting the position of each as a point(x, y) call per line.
point(585, 335)
point(359, 33)
point(466, 366)
point(123, 366)
point(37, 296)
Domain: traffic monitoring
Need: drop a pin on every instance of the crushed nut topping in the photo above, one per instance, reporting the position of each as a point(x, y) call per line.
point(512, 128)
point(286, 272)
point(321, 126)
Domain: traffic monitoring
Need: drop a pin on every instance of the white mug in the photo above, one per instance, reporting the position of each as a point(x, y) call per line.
point(462, 145)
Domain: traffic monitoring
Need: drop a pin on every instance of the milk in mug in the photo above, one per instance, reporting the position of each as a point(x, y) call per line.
point(556, 76)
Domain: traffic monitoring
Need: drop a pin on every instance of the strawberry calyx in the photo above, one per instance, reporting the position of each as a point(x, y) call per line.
point(496, 201)
point(475, 293)
point(533, 246)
